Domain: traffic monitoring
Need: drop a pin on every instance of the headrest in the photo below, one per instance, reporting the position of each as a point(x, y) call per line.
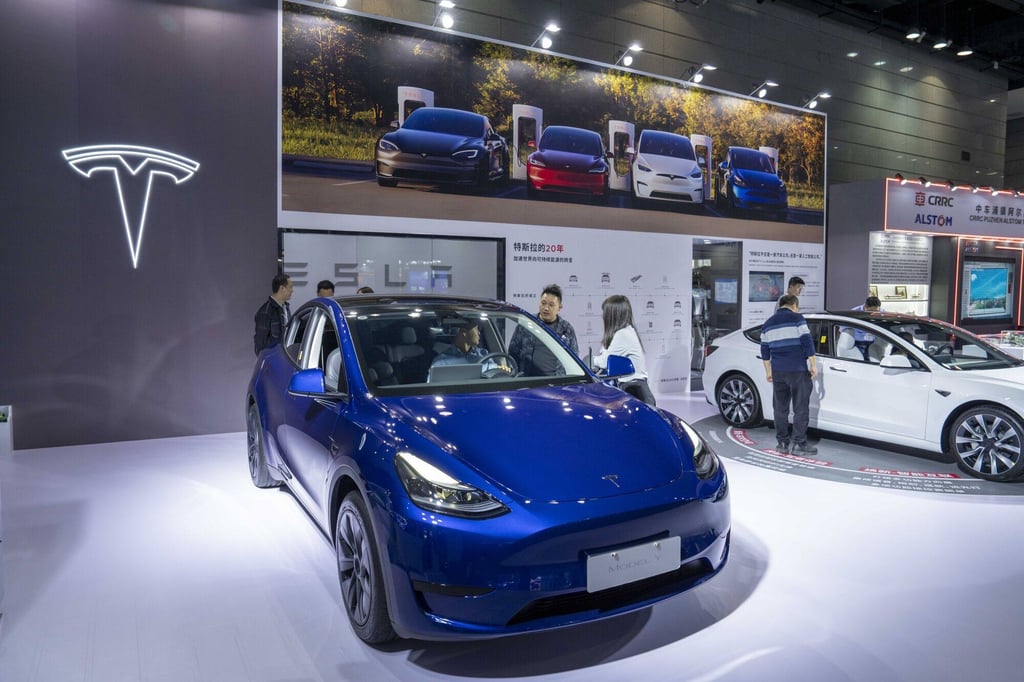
point(408, 335)
point(846, 340)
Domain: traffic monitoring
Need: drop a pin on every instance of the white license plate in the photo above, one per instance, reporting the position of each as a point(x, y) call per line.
point(630, 564)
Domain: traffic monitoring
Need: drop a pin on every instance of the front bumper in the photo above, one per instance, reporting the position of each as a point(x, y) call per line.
point(525, 572)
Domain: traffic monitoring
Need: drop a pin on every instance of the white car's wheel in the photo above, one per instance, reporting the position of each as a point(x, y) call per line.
point(738, 401)
point(988, 442)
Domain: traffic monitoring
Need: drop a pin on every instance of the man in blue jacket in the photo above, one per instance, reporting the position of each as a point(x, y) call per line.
point(790, 365)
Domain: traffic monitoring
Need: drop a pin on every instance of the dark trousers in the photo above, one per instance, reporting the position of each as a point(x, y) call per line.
point(791, 388)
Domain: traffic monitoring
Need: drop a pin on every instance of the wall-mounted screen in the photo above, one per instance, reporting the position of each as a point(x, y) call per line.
point(987, 289)
point(766, 286)
point(726, 290)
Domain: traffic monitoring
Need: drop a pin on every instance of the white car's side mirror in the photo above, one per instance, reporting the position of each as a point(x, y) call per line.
point(897, 360)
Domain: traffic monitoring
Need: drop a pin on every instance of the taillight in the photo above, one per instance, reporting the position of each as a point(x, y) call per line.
point(709, 349)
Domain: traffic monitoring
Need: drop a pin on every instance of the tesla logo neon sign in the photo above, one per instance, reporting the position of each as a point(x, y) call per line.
point(134, 167)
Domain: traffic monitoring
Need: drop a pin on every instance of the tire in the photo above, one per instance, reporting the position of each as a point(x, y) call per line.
point(719, 199)
point(738, 401)
point(386, 182)
point(360, 573)
point(987, 442)
point(259, 472)
point(531, 191)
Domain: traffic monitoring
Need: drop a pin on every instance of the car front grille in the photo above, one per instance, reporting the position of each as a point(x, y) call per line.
point(614, 598)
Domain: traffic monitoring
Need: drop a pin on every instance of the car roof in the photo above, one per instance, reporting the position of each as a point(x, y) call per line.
point(661, 133)
point(571, 129)
point(400, 300)
point(453, 112)
point(873, 316)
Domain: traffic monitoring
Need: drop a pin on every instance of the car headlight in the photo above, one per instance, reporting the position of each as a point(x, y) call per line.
point(599, 168)
point(782, 186)
point(738, 180)
point(705, 461)
point(387, 146)
point(534, 161)
point(642, 167)
point(696, 173)
point(432, 489)
point(466, 154)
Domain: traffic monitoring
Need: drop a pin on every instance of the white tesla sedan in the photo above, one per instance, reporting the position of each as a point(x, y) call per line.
point(664, 167)
point(901, 379)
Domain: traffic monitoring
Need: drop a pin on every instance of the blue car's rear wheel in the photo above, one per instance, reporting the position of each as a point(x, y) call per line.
point(738, 401)
point(988, 442)
point(259, 472)
point(359, 571)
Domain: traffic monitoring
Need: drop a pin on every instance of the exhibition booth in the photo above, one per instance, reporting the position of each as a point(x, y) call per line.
point(132, 545)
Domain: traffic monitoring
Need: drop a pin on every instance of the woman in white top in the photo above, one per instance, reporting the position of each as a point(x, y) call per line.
point(620, 338)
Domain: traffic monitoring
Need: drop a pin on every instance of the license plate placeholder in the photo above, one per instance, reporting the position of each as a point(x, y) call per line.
point(629, 564)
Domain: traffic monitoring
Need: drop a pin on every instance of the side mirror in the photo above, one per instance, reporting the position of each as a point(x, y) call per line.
point(723, 166)
point(394, 124)
point(619, 366)
point(899, 360)
point(532, 144)
point(630, 151)
point(307, 382)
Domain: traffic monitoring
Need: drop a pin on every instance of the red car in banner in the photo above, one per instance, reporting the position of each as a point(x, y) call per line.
point(570, 161)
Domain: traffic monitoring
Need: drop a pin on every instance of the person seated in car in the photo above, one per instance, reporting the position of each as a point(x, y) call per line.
point(465, 349)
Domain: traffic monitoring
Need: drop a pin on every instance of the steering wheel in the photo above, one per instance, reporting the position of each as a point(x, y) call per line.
point(498, 371)
point(940, 349)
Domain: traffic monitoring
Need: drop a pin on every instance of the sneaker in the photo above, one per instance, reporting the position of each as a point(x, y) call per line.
point(804, 449)
point(782, 446)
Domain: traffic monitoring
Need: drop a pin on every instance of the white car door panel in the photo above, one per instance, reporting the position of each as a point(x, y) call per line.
point(871, 397)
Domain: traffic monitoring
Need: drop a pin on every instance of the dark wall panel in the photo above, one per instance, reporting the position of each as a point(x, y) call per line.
point(93, 349)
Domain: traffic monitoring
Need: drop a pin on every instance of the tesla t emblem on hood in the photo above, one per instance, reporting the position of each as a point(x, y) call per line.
point(612, 478)
point(134, 169)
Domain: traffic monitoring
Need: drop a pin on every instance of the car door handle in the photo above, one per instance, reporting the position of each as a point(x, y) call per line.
point(837, 369)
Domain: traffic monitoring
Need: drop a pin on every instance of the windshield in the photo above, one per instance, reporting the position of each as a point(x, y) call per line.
point(665, 144)
point(450, 347)
point(748, 159)
point(462, 123)
point(950, 346)
point(569, 140)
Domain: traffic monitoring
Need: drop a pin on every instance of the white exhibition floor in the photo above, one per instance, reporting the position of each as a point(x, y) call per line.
point(158, 560)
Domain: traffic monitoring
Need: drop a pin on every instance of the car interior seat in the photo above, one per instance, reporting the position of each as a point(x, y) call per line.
point(846, 346)
point(332, 370)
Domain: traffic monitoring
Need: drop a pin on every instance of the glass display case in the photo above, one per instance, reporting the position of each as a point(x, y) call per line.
point(902, 298)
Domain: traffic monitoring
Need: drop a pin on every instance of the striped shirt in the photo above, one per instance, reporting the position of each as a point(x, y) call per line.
point(786, 341)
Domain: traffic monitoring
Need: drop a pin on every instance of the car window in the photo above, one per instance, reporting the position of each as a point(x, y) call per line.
point(575, 141)
point(667, 145)
point(463, 123)
point(298, 328)
point(950, 346)
point(328, 355)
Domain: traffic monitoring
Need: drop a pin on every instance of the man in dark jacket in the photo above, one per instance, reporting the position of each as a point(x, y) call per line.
point(789, 362)
point(532, 358)
point(273, 315)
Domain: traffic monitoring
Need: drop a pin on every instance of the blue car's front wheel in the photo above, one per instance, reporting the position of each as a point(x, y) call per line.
point(258, 469)
point(359, 571)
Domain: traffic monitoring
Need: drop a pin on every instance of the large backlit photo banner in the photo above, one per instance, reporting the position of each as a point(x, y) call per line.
point(391, 119)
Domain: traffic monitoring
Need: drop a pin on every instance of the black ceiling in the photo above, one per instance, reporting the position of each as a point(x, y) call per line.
point(994, 29)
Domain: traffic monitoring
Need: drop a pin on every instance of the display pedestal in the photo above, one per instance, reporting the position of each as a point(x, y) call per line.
point(6, 439)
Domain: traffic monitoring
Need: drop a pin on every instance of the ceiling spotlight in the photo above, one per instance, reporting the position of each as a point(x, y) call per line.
point(941, 44)
point(926, 183)
point(336, 3)
point(915, 34)
point(762, 89)
point(994, 191)
point(444, 17)
point(974, 189)
point(698, 74)
point(950, 185)
point(544, 39)
point(901, 179)
point(964, 51)
point(624, 57)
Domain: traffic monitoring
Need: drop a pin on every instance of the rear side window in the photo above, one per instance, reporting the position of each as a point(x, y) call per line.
point(297, 330)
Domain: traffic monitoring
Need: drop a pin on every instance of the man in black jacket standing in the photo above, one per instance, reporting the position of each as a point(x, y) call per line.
point(273, 315)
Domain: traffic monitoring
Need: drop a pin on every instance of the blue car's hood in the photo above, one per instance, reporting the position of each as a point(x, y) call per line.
point(552, 443)
point(760, 179)
point(430, 143)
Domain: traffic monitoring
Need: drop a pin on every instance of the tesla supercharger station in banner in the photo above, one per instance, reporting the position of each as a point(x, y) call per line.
point(620, 138)
point(702, 147)
point(527, 125)
point(774, 153)
point(410, 99)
